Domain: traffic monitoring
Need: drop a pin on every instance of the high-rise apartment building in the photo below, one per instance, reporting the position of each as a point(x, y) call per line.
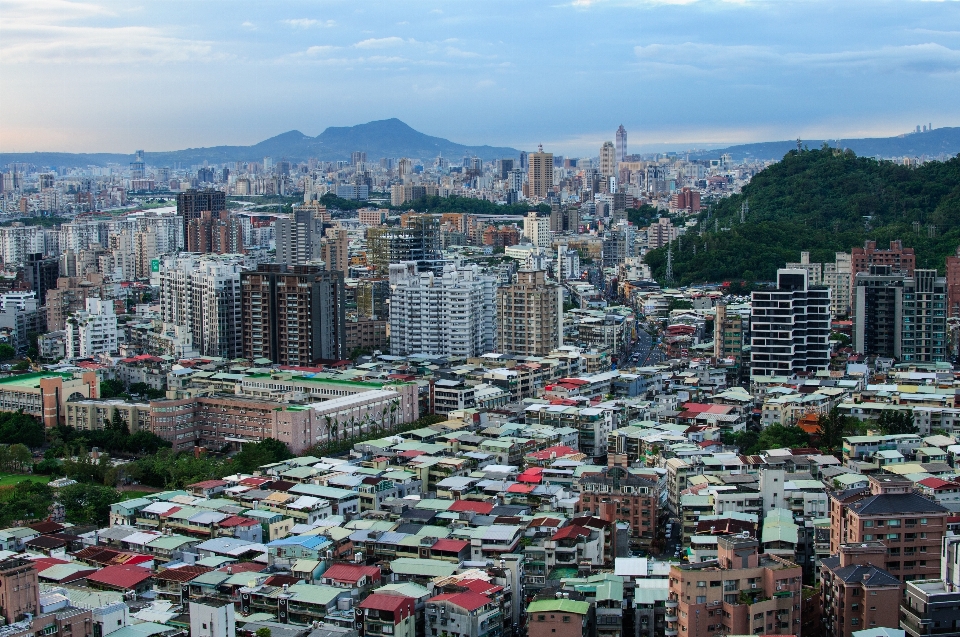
point(621, 144)
point(608, 159)
point(504, 167)
point(900, 316)
point(191, 203)
point(537, 229)
point(335, 249)
point(739, 593)
point(953, 285)
point(215, 233)
point(661, 233)
point(293, 315)
point(790, 327)
point(417, 240)
point(202, 292)
point(298, 237)
point(837, 277)
point(529, 315)
point(41, 274)
point(540, 174)
point(814, 270)
point(449, 315)
point(93, 331)
point(728, 334)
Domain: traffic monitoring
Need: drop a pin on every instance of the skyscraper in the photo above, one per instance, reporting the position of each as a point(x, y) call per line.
point(298, 237)
point(608, 160)
point(191, 203)
point(541, 173)
point(417, 240)
point(293, 315)
point(621, 144)
point(529, 315)
point(790, 327)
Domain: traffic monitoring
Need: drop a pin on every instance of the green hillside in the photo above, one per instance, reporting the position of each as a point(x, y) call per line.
point(824, 201)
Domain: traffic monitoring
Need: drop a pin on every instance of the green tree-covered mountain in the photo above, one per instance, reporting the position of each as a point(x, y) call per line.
point(824, 201)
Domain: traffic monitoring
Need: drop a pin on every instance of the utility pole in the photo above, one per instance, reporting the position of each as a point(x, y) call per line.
point(744, 209)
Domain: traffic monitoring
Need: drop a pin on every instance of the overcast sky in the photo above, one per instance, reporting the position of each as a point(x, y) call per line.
point(116, 76)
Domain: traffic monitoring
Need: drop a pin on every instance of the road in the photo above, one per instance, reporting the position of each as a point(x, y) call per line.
point(644, 351)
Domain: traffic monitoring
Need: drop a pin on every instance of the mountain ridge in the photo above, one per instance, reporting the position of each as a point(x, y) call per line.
point(380, 138)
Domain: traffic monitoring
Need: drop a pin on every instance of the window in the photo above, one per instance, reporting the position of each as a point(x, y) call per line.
point(541, 618)
point(868, 523)
point(566, 619)
point(701, 599)
point(701, 584)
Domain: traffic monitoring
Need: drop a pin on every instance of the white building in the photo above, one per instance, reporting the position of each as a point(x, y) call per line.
point(450, 315)
point(212, 618)
point(202, 292)
point(537, 229)
point(17, 241)
point(93, 331)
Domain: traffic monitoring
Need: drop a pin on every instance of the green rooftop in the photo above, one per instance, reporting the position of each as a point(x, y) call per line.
point(559, 605)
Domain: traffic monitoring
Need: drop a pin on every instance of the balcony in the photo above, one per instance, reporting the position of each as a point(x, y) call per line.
point(670, 616)
point(670, 632)
point(671, 603)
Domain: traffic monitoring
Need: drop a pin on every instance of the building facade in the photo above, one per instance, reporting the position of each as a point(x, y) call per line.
point(790, 327)
point(529, 315)
point(449, 315)
point(293, 315)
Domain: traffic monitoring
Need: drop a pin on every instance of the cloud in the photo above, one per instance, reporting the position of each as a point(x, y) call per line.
point(306, 23)
point(26, 44)
point(300, 23)
point(930, 57)
point(249, 25)
point(379, 43)
point(455, 52)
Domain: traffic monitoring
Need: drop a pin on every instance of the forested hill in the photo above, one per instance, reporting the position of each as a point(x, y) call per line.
point(824, 201)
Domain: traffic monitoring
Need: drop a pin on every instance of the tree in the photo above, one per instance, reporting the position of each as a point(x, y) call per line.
point(7, 352)
point(18, 427)
point(263, 632)
point(893, 422)
point(21, 460)
point(111, 388)
point(831, 429)
point(256, 454)
point(28, 500)
point(777, 436)
point(88, 503)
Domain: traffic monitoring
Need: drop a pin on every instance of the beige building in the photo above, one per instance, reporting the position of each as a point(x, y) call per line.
point(608, 159)
point(540, 174)
point(727, 335)
point(529, 315)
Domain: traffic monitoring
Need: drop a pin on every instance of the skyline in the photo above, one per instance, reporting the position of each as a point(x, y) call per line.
point(697, 73)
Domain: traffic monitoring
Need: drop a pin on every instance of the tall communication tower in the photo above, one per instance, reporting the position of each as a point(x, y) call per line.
point(668, 275)
point(744, 209)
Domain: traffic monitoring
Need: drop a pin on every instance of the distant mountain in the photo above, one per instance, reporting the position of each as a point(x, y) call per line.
point(930, 143)
point(383, 138)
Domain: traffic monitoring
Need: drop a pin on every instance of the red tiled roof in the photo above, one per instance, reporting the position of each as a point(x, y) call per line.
point(208, 484)
point(467, 600)
point(480, 586)
point(43, 563)
point(938, 483)
point(412, 453)
point(533, 474)
point(382, 601)
point(483, 508)
point(544, 522)
point(236, 520)
point(170, 512)
point(351, 573)
point(552, 452)
point(280, 580)
point(454, 546)
point(254, 482)
point(572, 531)
point(520, 488)
point(45, 528)
point(182, 574)
point(120, 576)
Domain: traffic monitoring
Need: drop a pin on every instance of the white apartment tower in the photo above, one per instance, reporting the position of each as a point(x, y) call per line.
point(790, 327)
point(449, 315)
point(92, 331)
point(202, 292)
point(537, 229)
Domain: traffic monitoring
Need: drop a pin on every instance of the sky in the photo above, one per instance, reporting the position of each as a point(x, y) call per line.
point(105, 76)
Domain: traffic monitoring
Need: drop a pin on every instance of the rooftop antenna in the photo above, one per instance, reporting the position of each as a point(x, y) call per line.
point(799, 145)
